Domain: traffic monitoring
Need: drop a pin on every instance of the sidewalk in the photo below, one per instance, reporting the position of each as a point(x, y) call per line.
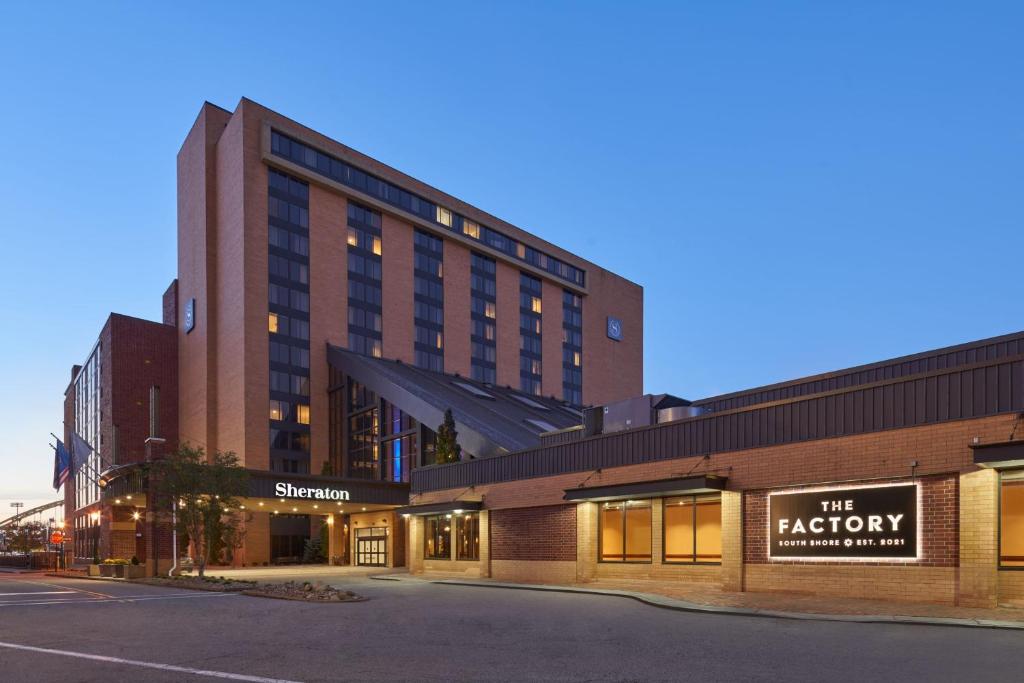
point(708, 599)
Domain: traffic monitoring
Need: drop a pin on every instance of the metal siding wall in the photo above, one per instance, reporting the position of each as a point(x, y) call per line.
point(997, 387)
point(981, 353)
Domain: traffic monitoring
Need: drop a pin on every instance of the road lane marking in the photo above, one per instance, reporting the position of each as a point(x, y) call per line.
point(148, 665)
point(70, 588)
point(126, 598)
point(39, 593)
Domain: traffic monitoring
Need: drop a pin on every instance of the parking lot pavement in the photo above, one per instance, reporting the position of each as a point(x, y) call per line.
point(420, 631)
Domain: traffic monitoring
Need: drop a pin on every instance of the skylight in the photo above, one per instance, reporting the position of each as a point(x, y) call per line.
point(529, 402)
point(476, 391)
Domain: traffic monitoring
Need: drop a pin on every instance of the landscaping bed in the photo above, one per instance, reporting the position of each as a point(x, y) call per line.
point(208, 583)
point(304, 592)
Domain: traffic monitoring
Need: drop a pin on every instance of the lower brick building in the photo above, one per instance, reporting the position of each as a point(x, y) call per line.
point(902, 480)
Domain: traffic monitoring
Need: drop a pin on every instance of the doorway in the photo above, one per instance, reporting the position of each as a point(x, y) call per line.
point(372, 547)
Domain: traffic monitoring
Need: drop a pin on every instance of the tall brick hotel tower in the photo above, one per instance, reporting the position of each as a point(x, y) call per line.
point(304, 265)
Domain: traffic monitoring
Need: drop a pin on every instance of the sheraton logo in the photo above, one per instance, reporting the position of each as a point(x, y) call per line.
point(871, 522)
point(286, 490)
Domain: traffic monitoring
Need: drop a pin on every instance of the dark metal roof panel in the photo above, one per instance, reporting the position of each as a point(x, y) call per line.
point(940, 359)
point(989, 388)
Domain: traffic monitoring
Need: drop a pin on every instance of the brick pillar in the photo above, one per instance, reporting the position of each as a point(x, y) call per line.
point(257, 539)
point(586, 542)
point(732, 541)
point(485, 544)
point(335, 539)
point(979, 542)
point(415, 544)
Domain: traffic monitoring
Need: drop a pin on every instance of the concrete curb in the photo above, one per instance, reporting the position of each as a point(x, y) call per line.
point(683, 606)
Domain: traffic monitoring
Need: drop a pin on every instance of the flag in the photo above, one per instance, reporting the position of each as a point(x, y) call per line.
point(61, 465)
point(80, 453)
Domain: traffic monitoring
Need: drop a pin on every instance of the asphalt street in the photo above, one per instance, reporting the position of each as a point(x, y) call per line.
point(79, 630)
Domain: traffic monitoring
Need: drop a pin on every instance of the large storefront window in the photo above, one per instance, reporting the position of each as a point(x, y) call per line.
point(467, 536)
point(626, 531)
point(437, 537)
point(1011, 522)
point(693, 529)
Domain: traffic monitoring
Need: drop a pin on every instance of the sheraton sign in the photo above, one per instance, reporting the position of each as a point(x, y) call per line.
point(857, 523)
point(286, 490)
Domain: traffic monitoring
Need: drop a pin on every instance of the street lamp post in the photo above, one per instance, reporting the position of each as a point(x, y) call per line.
point(95, 535)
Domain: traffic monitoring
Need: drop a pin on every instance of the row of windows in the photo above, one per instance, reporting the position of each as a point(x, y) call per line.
point(347, 174)
point(289, 355)
point(358, 317)
point(288, 329)
point(364, 288)
point(286, 296)
point(428, 288)
point(285, 411)
point(278, 323)
point(288, 240)
point(364, 239)
point(691, 530)
point(430, 265)
point(365, 344)
point(428, 312)
point(441, 536)
point(289, 383)
point(288, 269)
point(288, 440)
point(572, 349)
point(364, 265)
point(429, 361)
point(482, 284)
point(363, 294)
point(530, 334)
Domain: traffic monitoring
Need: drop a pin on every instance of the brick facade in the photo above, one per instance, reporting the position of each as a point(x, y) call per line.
point(541, 533)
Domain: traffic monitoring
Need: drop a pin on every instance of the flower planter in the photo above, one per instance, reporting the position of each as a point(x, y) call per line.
point(135, 571)
point(94, 570)
point(106, 570)
point(119, 571)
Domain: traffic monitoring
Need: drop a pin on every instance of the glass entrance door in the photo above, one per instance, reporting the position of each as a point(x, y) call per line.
point(372, 547)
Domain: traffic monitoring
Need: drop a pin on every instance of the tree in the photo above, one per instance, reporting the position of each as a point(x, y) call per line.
point(206, 490)
point(27, 537)
point(448, 448)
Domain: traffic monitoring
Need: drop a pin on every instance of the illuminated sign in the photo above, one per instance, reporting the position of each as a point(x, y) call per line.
point(286, 490)
point(190, 315)
point(614, 329)
point(858, 523)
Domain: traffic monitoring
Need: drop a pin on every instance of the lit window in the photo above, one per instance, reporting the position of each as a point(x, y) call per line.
point(376, 246)
point(375, 349)
point(577, 358)
point(470, 228)
point(520, 250)
point(444, 216)
point(278, 410)
point(353, 238)
point(626, 532)
point(1011, 523)
point(693, 529)
point(535, 304)
point(467, 537)
point(489, 309)
point(273, 322)
point(302, 414)
point(437, 538)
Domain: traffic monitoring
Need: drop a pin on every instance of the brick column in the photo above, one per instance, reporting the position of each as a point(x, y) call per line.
point(979, 542)
point(415, 547)
point(586, 542)
point(485, 544)
point(732, 541)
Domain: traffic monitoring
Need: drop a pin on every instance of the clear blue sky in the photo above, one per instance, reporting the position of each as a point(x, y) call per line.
point(799, 187)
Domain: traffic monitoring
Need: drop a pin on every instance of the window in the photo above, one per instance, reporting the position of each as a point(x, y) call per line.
point(444, 216)
point(1011, 522)
point(278, 410)
point(693, 529)
point(467, 536)
point(437, 537)
point(625, 531)
point(273, 326)
point(302, 414)
point(470, 228)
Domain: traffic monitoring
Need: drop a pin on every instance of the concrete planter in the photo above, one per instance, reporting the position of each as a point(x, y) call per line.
point(106, 570)
point(135, 571)
point(119, 571)
point(94, 570)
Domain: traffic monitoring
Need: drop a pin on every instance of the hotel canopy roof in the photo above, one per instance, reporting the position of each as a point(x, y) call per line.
point(490, 419)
